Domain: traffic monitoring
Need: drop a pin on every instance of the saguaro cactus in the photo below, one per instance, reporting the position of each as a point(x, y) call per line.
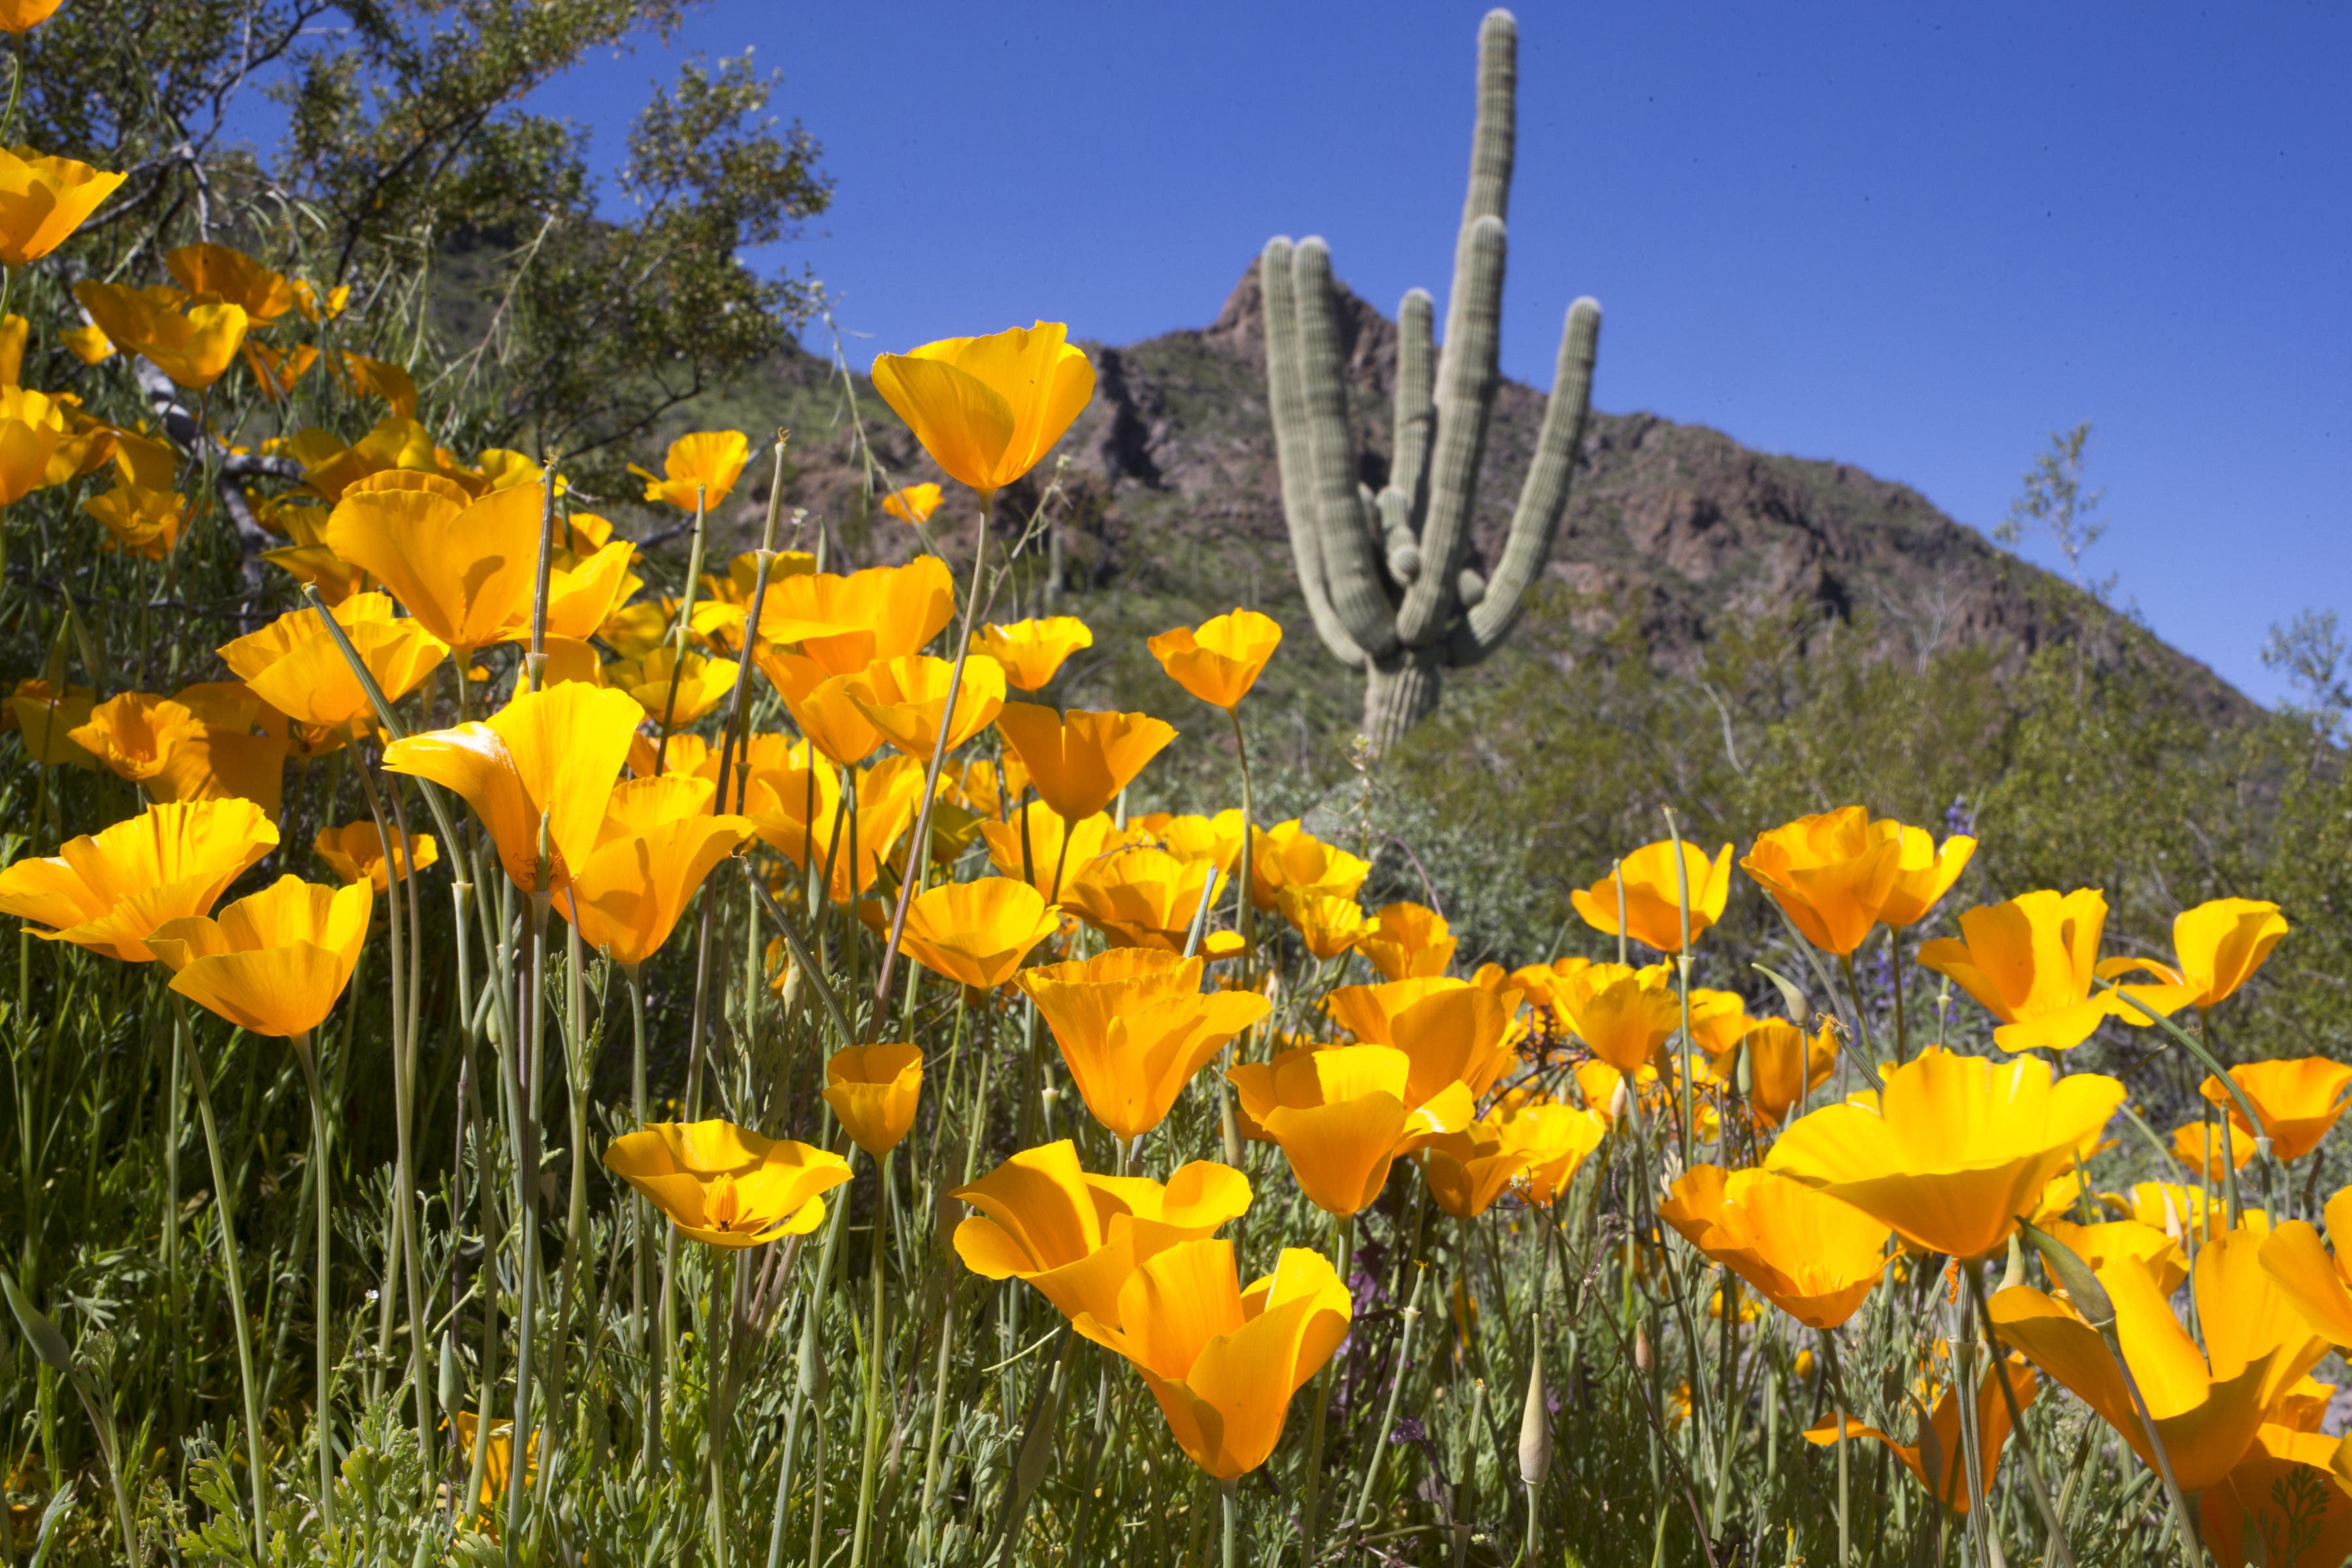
point(1385, 575)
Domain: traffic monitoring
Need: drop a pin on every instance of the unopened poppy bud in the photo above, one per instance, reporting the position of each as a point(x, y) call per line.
point(2074, 1275)
point(1535, 1425)
point(1645, 1359)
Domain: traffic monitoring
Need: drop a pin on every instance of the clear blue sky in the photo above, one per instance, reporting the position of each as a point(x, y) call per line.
point(1846, 231)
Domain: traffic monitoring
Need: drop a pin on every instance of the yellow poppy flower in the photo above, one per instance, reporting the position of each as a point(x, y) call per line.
point(1286, 855)
point(1341, 1117)
point(1622, 1015)
point(23, 16)
point(1135, 1028)
point(1813, 1257)
point(1140, 897)
point(1450, 1029)
point(905, 700)
point(2298, 1101)
point(874, 1089)
point(1223, 1362)
point(1327, 922)
point(1468, 1170)
point(2207, 1405)
point(1076, 1237)
point(657, 842)
point(913, 503)
point(1957, 1148)
point(977, 933)
point(1078, 761)
point(2030, 962)
point(275, 962)
point(2317, 1279)
point(133, 734)
point(1033, 651)
point(1938, 1461)
point(191, 341)
point(707, 462)
point(1555, 1138)
point(1407, 940)
point(701, 684)
point(1219, 660)
point(1653, 898)
point(48, 722)
point(1045, 831)
point(2221, 944)
point(233, 276)
point(988, 409)
point(146, 523)
point(1839, 874)
point(88, 343)
point(2098, 1245)
point(784, 798)
point(2201, 1145)
point(43, 200)
point(846, 623)
point(549, 755)
point(354, 851)
point(726, 1184)
point(107, 892)
point(216, 761)
point(466, 569)
point(1784, 1065)
point(313, 681)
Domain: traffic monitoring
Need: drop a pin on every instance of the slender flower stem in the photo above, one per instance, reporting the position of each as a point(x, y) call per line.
point(876, 1344)
point(642, 1230)
point(319, 1298)
point(1343, 1228)
point(225, 1218)
point(533, 1004)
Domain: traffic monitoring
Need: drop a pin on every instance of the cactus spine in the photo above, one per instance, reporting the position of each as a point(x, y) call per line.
point(1385, 575)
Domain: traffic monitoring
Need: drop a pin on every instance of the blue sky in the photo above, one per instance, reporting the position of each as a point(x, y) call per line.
point(1912, 242)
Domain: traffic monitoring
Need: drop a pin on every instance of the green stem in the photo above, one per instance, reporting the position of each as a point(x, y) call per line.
point(224, 1218)
point(875, 1344)
point(321, 1304)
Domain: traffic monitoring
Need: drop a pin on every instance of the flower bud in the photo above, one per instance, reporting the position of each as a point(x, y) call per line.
point(1535, 1423)
point(1645, 1359)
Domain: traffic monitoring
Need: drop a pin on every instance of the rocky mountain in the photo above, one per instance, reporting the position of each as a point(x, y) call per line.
point(1171, 510)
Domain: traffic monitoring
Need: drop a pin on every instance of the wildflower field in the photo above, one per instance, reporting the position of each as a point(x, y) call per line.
point(533, 1040)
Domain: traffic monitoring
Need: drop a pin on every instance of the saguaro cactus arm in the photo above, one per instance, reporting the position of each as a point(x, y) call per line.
point(1407, 496)
point(1535, 523)
point(1287, 404)
point(1467, 375)
point(1351, 566)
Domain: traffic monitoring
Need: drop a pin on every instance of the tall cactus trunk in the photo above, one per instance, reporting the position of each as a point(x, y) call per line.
point(1400, 691)
point(1387, 576)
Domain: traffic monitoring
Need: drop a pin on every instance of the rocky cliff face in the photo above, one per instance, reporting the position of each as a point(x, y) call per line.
point(1174, 508)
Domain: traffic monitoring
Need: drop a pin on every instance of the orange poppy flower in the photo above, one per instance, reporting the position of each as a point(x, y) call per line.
point(727, 1185)
point(107, 892)
point(1033, 652)
point(1223, 1362)
point(2298, 1101)
point(1140, 898)
point(1654, 896)
point(1813, 1257)
point(874, 1089)
point(1078, 761)
point(46, 722)
point(1076, 1237)
point(133, 734)
point(988, 409)
point(466, 569)
point(905, 700)
point(1955, 1150)
point(275, 962)
point(1451, 1030)
point(549, 756)
point(657, 842)
point(977, 933)
point(846, 623)
point(43, 200)
point(706, 463)
point(1219, 660)
point(1406, 940)
point(354, 851)
point(1343, 1117)
point(1135, 1028)
point(1839, 874)
point(233, 276)
point(1286, 855)
point(913, 503)
point(2030, 962)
